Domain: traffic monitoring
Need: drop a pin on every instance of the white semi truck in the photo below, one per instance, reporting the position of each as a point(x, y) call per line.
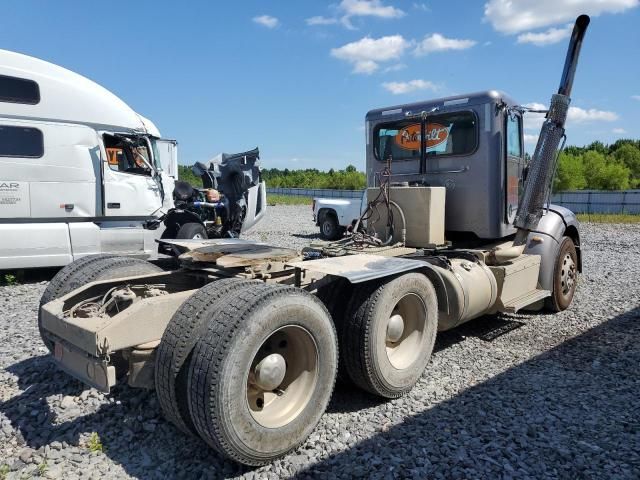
point(81, 173)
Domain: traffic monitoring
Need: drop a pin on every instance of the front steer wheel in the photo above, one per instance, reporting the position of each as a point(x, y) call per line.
point(565, 277)
point(262, 375)
point(192, 230)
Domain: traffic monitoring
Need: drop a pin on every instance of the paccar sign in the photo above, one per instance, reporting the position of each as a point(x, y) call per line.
point(409, 136)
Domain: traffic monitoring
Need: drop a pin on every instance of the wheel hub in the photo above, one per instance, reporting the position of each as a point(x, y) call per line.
point(395, 328)
point(567, 274)
point(270, 372)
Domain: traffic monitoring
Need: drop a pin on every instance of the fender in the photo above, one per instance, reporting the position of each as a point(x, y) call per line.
point(360, 268)
point(554, 224)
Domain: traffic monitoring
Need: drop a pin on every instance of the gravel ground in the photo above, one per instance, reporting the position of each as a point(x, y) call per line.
point(556, 396)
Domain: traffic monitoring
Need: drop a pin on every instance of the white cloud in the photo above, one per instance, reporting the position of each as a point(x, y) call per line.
point(266, 21)
point(514, 16)
point(635, 97)
point(619, 131)
point(367, 53)
point(579, 115)
point(533, 121)
point(421, 6)
point(348, 9)
point(438, 43)
point(398, 88)
point(395, 68)
point(320, 20)
point(371, 8)
point(553, 35)
point(528, 138)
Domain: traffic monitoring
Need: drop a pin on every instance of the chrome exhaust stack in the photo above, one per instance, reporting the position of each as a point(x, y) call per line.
point(542, 164)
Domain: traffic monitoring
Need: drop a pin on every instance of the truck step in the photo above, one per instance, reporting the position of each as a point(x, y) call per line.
point(527, 299)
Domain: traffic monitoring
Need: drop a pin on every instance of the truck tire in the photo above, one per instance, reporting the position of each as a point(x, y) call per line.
point(565, 277)
point(389, 332)
point(263, 374)
point(192, 230)
point(88, 269)
point(173, 355)
point(329, 228)
point(335, 297)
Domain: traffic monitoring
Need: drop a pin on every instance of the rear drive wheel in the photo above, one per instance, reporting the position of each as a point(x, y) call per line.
point(174, 353)
point(262, 376)
point(565, 277)
point(89, 269)
point(192, 230)
point(335, 297)
point(329, 228)
point(389, 332)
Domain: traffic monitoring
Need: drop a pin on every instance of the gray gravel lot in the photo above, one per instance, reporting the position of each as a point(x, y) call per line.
point(557, 396)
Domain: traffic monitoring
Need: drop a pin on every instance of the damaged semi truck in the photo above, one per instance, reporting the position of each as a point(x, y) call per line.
point(81, 173)
point(243, 342)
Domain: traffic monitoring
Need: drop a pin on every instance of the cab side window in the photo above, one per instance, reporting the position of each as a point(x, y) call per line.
point(514, 143)
point(127, 156)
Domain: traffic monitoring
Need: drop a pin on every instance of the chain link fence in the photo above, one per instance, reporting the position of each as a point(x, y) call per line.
point(580, 201)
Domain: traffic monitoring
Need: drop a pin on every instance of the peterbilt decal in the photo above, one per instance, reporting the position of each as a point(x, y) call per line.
point(408, 138)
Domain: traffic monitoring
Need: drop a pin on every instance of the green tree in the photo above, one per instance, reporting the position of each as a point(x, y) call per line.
point(570, 174)
point(629, 155)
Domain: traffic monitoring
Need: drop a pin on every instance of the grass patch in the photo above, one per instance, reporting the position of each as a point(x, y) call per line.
point(43, 467)
point(4, 471)
point(288, 200)
point(608, 218)
point(94, 444)
point(8, 279)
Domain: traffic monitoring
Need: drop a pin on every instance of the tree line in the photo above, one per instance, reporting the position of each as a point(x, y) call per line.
point(348, 179)
point(599, 167)
point(596, 166)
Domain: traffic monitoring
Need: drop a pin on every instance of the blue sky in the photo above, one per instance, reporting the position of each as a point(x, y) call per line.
point(296, 78)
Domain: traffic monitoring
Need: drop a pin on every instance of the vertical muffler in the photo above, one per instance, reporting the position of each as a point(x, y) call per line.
point(541, 167)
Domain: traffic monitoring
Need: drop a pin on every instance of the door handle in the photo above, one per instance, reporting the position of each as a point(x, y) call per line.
point(113, 205)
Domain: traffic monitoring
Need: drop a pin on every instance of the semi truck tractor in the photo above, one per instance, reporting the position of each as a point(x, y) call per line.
point(81, 173)
point(243, 342)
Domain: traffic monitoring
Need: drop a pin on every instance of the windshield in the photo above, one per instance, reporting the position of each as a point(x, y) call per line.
point(156, 155)
point(447, 134)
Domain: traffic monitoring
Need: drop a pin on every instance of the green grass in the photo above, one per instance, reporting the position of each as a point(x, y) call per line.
point(8, 279)
point(4, 470)
point(43, 467)
point(94, 444)
point(288, 200)
point(608, 218)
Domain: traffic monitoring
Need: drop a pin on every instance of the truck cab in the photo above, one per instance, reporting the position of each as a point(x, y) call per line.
point(80, 172)
point(474, 148)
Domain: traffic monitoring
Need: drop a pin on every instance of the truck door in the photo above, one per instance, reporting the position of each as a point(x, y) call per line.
point(165, 153)
point(514, 164)
point(130, 189)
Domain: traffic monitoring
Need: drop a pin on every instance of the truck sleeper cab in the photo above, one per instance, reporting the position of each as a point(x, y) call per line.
point(80, 172)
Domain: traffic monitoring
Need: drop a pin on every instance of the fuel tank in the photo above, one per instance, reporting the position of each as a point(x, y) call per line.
point(471, 291)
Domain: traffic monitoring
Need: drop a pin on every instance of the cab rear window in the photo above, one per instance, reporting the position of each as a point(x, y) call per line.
point(23, 142)
point(446, 134)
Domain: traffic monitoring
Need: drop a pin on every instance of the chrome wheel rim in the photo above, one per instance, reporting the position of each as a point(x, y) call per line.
point(567, 275)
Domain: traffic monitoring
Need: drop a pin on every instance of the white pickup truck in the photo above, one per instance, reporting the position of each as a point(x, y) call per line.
point(335, 215)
